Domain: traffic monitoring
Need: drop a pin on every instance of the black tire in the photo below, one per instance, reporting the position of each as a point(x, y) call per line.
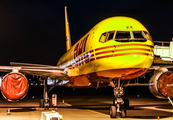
point(50, 103)
point(123, 113)
point(41, 103)
point(126, 102)
point(113, 111)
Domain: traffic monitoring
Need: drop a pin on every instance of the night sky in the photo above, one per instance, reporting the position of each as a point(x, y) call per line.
point(34, 31)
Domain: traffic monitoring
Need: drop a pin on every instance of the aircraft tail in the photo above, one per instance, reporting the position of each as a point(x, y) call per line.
point(68, 38)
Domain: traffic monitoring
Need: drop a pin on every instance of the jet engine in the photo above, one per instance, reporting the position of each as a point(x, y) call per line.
point(14, 86)
point(161, 83)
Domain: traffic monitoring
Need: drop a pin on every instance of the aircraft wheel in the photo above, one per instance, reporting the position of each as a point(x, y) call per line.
point(123, 113)
point(41, 103)
point(113, 111)
point(50, 101)
point(126, 102)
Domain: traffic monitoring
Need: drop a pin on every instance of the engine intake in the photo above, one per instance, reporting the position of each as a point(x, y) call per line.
point(161, 83)
point(14, 86)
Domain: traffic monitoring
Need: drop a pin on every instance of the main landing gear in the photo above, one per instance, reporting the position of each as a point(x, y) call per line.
point(45, 103)
point(118, 109)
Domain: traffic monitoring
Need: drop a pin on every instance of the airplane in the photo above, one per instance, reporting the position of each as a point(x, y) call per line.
point(113, 52)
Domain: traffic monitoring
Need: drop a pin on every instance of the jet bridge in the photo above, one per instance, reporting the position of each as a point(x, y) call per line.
point(163, 52)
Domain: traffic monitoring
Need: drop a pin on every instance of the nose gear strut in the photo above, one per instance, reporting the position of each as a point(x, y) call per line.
point(119, 104)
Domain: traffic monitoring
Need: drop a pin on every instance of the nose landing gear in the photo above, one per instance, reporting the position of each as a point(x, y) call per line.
point(118, 109)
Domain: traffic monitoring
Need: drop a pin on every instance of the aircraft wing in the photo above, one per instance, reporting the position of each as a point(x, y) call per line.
point(161, 66)
point(36, 69)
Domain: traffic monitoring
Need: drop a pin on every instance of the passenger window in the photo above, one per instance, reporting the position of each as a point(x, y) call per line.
point(110, 35)
point(138, 34)
point(148, 36)
point(102, 38)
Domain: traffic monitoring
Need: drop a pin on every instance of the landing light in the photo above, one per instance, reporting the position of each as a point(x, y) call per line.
point(151, 84)
point(134, 55)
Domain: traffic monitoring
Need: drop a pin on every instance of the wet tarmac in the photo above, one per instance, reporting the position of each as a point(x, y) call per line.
point(85, 104)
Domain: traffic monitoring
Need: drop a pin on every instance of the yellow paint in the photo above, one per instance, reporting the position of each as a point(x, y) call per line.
point(98, 113)
point(118, 62)
point(67, 28)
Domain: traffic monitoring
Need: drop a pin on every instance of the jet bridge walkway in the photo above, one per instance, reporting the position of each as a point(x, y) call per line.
point(163, 52)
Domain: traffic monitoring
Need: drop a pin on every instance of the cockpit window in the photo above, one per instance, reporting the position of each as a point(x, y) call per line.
point(102, 38)
point(110, 35)
point(107, 36)
point(125, 36)
point(148, 36)
point(138, 34)
point(122, 35)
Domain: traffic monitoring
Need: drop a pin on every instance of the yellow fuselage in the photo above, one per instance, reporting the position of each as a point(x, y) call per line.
point(116, 48)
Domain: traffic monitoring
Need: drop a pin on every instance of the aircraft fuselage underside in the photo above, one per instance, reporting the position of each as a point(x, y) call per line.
point(104, 77)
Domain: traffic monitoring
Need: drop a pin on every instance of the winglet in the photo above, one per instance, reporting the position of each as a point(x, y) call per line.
point(68, 38)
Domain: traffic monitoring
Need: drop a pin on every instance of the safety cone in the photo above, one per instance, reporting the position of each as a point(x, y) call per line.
point(158, 118)
point(8, 112)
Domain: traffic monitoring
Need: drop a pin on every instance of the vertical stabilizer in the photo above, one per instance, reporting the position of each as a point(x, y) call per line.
point(67, 28)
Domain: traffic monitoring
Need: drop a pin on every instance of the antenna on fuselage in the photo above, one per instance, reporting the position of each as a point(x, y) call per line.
point(67, 29)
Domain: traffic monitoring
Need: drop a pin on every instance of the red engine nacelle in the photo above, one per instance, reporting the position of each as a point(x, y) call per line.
point(14, 86)
point(161, 83)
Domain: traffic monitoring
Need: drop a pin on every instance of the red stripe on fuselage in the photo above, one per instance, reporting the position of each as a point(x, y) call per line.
point(122, 54)
point(123, 46)
point(109, 51)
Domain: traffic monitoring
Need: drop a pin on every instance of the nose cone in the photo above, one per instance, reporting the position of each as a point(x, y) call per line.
point(135, 65)
point(136, 60)
point(127, 65)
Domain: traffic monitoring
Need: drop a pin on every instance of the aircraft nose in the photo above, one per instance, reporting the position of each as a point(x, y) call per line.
point(135, 55)
point(138, 60)
point(134, 65)
point(125, 66)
